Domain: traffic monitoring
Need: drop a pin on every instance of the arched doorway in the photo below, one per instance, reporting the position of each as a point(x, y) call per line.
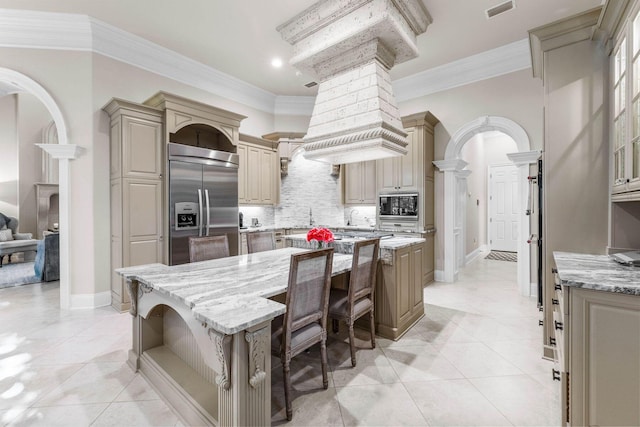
point(455, 176)
point(63, 151)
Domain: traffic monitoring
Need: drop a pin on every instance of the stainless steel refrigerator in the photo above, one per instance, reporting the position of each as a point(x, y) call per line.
point(203, 197)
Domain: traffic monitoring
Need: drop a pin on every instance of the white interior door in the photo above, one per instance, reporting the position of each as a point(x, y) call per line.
point(503, 208)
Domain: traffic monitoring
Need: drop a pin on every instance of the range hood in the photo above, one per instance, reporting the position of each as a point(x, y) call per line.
point(349, 46)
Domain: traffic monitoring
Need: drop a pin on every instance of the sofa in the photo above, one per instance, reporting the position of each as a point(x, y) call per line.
point(47, 264)
point(11, 241)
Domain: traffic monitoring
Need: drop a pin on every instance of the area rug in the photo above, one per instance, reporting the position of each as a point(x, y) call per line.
point(503, 256)
point(21, 273)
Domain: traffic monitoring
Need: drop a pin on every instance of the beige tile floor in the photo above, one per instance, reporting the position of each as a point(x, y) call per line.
point(474, 359)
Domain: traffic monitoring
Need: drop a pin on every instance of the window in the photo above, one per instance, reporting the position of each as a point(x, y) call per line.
point(625, 70)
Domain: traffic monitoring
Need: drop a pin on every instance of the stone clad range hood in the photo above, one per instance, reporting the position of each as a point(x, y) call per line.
point(349, 46)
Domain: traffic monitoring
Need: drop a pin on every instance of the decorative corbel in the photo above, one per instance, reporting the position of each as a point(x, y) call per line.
point(132, 288)
point(222, 344)
point(258, 341)
point(284, 166)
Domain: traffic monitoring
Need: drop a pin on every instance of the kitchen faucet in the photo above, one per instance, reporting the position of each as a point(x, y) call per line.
point(311, 221)
point(350, 221)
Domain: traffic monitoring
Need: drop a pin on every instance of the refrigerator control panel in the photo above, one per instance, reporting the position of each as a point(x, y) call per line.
point(186, 216)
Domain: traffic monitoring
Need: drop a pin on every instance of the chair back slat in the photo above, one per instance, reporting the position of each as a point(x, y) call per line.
point(209, 247)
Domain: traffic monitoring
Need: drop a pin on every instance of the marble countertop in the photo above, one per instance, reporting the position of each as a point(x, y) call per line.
point(345, 245)
point(597, 272)
point(228, 294)
point(294, 226)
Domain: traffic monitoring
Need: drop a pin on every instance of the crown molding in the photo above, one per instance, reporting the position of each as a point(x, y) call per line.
point(561, 33)
point(60, 31)
point(491, 63)
point(65, 31)
point(294, 105)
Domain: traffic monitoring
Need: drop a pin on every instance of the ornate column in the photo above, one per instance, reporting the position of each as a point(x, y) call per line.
point(452, 173)
point(64, 153)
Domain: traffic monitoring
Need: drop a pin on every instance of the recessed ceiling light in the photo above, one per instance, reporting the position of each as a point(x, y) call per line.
point(276, 62)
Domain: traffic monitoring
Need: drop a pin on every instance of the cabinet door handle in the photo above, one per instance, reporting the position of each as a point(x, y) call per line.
point(556, 375)
point(554, 301)
point(557, 287)
point(540, 322)
point(558, 325)
point(554, 270)
point(552, 341)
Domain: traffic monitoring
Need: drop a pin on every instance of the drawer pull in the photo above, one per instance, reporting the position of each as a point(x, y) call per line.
point(557, 287)
point(554, 270)
point(554, 301)
point(558, 325)
point(540, 322)
point(556, 375)
point(552, 341)
point(541, 308)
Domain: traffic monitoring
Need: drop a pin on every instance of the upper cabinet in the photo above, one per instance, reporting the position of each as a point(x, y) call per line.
point(259, 171)
point(625, 72)
point(401, 173)
point(359, 181)
point(413, 172)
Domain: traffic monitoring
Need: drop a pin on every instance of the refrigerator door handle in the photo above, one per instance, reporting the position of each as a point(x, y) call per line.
point(200, 215)
point(206, 197)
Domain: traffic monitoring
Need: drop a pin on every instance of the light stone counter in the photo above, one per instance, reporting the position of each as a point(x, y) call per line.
point(201, 333)
point(345, 245)
point(228, 294)
point(597, 272)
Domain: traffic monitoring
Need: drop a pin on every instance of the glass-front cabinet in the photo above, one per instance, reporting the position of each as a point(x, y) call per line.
point(625, 69)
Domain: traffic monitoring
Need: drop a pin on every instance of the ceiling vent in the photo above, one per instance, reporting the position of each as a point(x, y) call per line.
point(311, 84)
point(500, 8)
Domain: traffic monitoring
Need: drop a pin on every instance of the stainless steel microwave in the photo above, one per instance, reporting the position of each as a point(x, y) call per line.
point(399, 206)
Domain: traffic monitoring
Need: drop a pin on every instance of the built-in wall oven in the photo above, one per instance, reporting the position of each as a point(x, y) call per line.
point(398, 206)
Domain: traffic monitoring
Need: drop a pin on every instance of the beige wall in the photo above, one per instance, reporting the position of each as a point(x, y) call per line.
point(516, 96)
point(82, 83)
point(9, 155)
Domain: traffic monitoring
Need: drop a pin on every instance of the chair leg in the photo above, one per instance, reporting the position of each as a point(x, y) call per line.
point(373, 329)
point(334, 326)
point(323, 352)
point(352, 342)
point(287, 388)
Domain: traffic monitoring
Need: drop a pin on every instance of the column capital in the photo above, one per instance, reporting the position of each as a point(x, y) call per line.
point(62, 151)
point(450, 165)
point(524, 158)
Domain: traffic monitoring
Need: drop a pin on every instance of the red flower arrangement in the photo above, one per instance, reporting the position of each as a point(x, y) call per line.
point(320, 234)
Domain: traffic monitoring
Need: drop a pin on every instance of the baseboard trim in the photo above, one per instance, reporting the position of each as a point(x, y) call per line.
point(84, 301)
point(438, 275)
point(472, 256)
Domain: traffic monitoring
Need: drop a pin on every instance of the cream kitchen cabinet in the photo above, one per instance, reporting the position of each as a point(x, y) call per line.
point(136, 167)
point(401, 173)
point(359, 183)
point(596, 320)
point(399, 291)
point(259, 172)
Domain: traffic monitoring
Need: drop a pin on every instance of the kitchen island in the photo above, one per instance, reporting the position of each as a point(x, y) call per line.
point(596, 321)
point(201, 332)
point(399, 301)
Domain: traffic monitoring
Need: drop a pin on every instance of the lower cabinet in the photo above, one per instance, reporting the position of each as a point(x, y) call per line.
point(399, 292)
point(279, 235)
point(597, 347)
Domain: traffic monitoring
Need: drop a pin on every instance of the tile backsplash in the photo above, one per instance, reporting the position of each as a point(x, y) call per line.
point(309, 185)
